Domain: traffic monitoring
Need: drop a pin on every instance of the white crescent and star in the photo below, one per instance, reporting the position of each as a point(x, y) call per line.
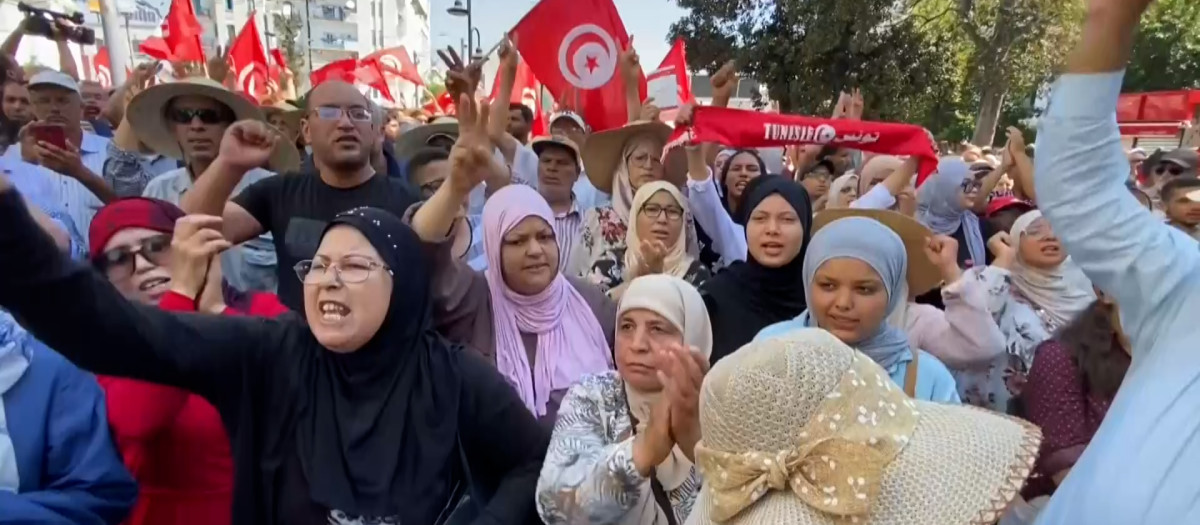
point(592, 64)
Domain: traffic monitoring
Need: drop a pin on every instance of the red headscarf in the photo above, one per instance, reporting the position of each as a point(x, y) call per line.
point(132, 212)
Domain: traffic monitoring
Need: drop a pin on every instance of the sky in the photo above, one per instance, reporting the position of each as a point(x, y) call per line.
point(647, 20)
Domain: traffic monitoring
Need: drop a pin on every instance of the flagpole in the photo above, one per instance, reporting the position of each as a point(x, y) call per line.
point(118, 48)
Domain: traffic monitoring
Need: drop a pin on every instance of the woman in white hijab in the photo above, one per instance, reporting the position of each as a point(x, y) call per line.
point(1035, 289)
point(842, 192)
point(622, 449)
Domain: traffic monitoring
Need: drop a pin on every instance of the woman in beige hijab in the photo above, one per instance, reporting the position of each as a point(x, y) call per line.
point(623, 443)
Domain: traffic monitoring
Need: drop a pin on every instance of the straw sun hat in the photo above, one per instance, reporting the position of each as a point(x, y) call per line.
point(602, 153)
point(146, 113)
point(923, 276)
point(409, 142)
point(803, 430)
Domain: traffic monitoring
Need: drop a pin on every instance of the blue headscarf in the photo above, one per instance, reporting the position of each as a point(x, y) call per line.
point(939, 207)
point(873, 243)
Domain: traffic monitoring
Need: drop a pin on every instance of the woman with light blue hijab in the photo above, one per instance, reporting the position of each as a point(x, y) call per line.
point(854, 272)
point(944, 204)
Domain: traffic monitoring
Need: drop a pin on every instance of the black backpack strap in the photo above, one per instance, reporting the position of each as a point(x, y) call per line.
point(656, 488)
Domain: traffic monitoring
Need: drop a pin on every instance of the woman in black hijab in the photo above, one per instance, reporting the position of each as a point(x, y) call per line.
point(769, 286)
point(356, 412)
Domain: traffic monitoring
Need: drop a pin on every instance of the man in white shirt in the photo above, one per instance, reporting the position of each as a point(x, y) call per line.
point(82, 191)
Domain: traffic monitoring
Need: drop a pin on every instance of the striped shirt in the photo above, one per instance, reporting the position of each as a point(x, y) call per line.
point(79, 202)
point(567, 227)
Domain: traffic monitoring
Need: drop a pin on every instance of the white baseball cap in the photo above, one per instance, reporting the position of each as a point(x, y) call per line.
point(52, 77)
point(571, 115)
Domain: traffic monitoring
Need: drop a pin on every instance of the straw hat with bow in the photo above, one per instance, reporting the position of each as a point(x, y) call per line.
point(147, 115)
point(804, 430)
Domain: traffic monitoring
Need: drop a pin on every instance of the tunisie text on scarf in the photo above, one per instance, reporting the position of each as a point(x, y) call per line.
point(570, 342)
point(740, 128)
point(379, 428)
point(873, 243)
point(939, 206)
point(747, 296)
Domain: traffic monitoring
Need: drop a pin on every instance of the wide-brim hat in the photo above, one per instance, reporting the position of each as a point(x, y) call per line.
point(291, 114)
point(602, 153)
point(414, 139)
point(539, 144)
point(804, 430)
point(922, 276)
point(145, 114)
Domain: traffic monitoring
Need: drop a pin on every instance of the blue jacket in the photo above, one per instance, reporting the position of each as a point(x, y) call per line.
point(53, 423)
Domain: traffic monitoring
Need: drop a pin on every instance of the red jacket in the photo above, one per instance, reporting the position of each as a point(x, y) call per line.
point(173, 442)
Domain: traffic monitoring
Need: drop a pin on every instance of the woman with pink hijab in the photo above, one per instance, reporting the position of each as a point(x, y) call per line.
point(543, 330)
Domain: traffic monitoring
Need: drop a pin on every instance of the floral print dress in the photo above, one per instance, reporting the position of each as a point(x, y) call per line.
point(588, 475)
point(997, 384)
point(599, 255)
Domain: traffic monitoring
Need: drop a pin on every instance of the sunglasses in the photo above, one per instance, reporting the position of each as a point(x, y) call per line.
point(1173, 170)
point(969, 185)
point(119, 263)
point(207, 116)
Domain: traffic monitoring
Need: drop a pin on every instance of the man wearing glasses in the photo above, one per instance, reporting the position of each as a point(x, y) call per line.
point(295, 207)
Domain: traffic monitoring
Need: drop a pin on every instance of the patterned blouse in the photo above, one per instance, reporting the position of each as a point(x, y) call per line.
point(599, 253)
point(995, 385)
point(589, 475)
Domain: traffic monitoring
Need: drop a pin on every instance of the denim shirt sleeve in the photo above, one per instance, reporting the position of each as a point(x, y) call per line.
point(1081, 170)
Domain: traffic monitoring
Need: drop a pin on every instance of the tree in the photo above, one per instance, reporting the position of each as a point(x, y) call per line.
point(1015, 45)
point(288, 34)
point(1166, 52)
point(805, 51)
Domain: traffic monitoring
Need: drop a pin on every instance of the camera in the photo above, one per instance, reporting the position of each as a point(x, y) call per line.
point(42, 22)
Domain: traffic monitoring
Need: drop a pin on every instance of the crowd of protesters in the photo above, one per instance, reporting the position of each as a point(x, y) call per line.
point(223, 311)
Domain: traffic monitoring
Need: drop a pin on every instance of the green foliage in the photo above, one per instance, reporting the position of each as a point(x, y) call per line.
point(1166, 53)
point(289, 33)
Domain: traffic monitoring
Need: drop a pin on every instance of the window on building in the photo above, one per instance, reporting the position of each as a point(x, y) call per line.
point(229, 5)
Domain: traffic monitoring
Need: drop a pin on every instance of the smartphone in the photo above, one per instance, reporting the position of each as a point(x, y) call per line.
point(50, 133)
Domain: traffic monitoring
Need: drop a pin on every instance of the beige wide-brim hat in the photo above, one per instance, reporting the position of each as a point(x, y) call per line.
point(414, 139)
point(602, 153)
point(292, 115)
point(923, 276)
point(146, 113)
point(948, 465)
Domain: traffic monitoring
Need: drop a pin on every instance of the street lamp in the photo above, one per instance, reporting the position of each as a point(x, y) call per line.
point(478, 55)
point(458, 10)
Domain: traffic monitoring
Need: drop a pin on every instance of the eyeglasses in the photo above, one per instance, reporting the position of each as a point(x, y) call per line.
point(207, 116)
point(970, 184)
point(356, 113)
point(655, 211)
point(119, 263)
point(351, 270)
point(644, 159)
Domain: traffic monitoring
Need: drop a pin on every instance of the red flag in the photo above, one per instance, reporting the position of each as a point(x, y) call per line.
point(573, 47)
point(337, 70)
point(370, 73)
point(528, 91)
point(669, 85)
point(395, 61)
point(181, 32)
point(739, 128)
point(102, 68)
point(248, 59)
point(278, 56)
point(157, 48)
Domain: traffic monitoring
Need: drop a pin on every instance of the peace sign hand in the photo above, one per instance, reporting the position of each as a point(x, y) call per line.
point(470, 159)
point(460, 78)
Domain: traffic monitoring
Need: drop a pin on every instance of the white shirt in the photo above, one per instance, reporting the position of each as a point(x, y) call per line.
point(79, 202)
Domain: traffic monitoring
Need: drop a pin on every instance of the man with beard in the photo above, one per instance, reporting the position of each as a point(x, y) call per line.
point(186, 120)
point(295, 208)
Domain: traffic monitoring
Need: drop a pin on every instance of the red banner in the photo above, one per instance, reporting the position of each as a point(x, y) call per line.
point(739, 128)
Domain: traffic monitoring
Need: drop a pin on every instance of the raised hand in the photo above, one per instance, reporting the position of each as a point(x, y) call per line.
point(630, 63)
point(66, 161)
point(1001, 246)
point(654, 253)
point(942, 251)
point(471, 156)
point(682, 370)
point(649, 111)
point(247, 144)
point(842, 107)
point(724, 82)
point(461, 78)
point(509, 58)
point(1016, 142)
point(684, 116)
point(854, 110)
point(197, 239)
point(653, 444)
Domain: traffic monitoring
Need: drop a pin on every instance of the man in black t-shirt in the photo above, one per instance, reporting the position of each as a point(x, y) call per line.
point(295, 207)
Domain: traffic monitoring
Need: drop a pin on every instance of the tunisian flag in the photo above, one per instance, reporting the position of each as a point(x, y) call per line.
point(528, 91)
point(181, 32)
point(248, 59)
point(396, 63)
point(370, 73)
point(740, 128)
point(573, 47)
point(669, 85)
point(102, 68)
point(337, 70)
